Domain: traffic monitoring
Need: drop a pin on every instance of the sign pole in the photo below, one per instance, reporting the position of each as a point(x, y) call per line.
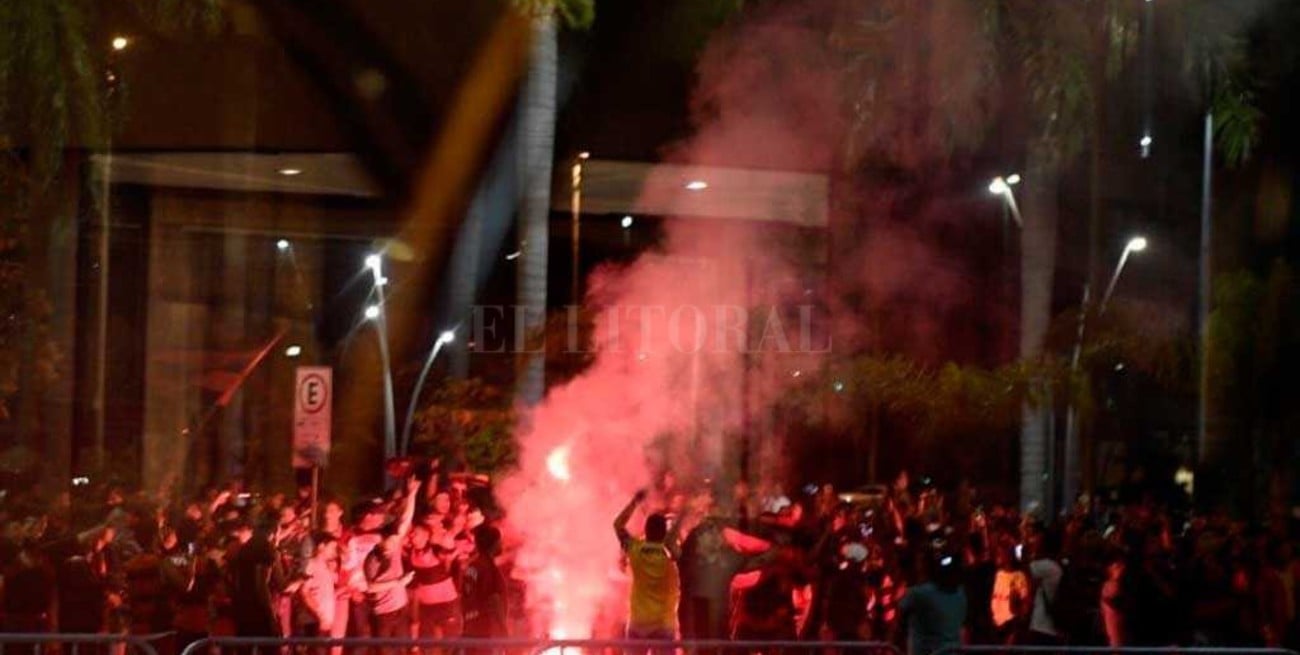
point(315, 495)
point(312, 416)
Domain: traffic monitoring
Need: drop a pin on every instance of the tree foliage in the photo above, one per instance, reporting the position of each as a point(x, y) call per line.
point(1217, 69)
point(574, 14)
point(921, 78)
point(469, 421)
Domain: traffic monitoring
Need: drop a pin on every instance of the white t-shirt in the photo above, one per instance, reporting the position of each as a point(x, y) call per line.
point(1046, 575)
point(319, 585)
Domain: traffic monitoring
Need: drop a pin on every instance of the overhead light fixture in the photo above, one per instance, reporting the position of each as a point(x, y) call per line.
point(1001, 186)
point(513, 255)
point(697, 185)
point(290, 172)
point(120, 43)
point(584, 155)
point(372, 312)
point(282, 245)
point(626, 222)
point(293, 351)
point(374, 263)
point(446, 337)
point(1137, 244)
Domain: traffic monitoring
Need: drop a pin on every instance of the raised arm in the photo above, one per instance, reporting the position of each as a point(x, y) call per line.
point(620, 521)
point(408, 506)
point(673, 540)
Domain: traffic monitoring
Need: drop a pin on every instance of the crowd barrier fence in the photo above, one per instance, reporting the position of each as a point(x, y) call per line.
point(371, 646)
point(1107, 650)
point(54, 643)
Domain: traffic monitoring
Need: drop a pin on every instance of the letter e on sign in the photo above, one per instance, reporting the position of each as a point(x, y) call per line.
point(312, 413)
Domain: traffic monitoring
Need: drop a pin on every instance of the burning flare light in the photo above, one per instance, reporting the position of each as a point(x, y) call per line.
point(557, 463)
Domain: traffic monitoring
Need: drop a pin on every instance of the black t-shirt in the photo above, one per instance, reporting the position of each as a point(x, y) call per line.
point(979, 586)
point(483, 598)
point(28, 589)
point(249, 573)
point(81, 591)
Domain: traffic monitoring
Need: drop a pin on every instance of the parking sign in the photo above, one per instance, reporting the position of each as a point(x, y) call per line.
point(312, 410)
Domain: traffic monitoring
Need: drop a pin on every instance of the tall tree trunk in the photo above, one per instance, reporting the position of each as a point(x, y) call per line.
point(536, 151)
point(1037, 266)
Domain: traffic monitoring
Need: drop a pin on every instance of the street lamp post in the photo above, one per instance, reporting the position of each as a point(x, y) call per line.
point(446, 337)
point(575, 205)
point(1136, 244)
point(1038, 450)
point(377, 314)
point(1073, 474)
point(1001, 186)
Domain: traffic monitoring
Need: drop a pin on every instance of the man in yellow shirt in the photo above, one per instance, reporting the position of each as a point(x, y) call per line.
point(655, 586)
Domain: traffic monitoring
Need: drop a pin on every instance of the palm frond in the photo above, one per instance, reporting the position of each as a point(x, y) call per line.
point(573, 14)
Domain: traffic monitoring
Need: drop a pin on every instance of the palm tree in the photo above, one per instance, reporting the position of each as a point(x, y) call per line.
point(57, 87)
point(915, 105)
point(1052, 42)
point(1215, 68)
point(537, 112)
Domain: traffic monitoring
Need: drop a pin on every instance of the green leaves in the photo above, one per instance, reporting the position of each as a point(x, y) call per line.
point(1217, 67)
point(573, 14)
point(949, 400)
point(1237, 120)
point(470, 420)
point(921, 78)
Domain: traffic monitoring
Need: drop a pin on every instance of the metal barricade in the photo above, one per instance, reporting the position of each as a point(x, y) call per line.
point(55, 643)
point(1107, 650)
point(374, 646)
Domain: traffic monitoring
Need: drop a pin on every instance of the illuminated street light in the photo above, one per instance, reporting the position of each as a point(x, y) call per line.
point(445, 337)
point(375, 263)
point(626, 222)
point(372, 312)
point(293, 351)
point(282, 245)
point(290, 172)
point(1136, 244)
point(120, 43)
point(1001, 186)
point(697, 185)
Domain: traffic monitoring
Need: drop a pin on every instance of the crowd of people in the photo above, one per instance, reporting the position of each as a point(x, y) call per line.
point(909, 565)
point(420, 562)
point(925, 570)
